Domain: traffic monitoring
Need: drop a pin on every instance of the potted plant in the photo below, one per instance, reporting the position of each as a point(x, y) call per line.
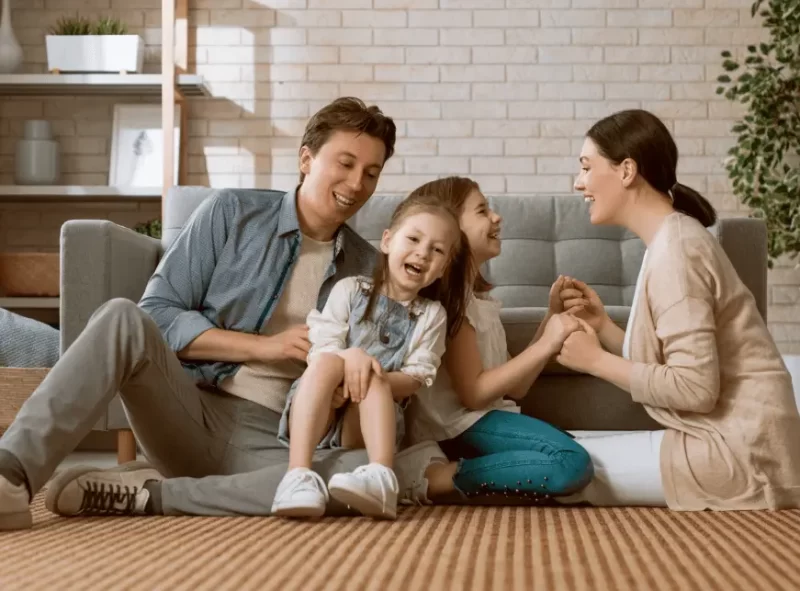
point(76, 44)
point(764, 165)
point(150, 228)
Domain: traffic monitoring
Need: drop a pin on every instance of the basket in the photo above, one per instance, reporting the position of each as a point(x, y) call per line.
point(31, 274)
point(16, 386)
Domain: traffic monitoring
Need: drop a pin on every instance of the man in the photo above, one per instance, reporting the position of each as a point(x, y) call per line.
point(204, 363)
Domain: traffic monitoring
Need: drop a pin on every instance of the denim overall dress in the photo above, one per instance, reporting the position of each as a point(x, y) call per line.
point(385, 337)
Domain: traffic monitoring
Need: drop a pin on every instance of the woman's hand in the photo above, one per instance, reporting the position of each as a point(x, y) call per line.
point(339, 398)
point(582, 301)
point(358, 368)
point(581, 350)
point(558, 328)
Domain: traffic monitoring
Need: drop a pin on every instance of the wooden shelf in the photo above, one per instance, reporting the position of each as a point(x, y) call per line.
point(190, 85)
point(20, 303)
point(27, 193)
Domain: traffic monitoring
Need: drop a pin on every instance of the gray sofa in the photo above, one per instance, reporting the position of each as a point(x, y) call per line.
point(543, 236)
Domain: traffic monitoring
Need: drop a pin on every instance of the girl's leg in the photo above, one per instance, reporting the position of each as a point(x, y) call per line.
point(518, 455)
point(371, 424)
point(627, 470)
point(309, 416)
point(372, 489)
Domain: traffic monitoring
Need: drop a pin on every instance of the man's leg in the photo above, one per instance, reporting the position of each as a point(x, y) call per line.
point(122, 350)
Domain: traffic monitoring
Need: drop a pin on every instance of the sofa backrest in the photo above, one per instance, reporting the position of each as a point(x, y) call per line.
point(543, 237)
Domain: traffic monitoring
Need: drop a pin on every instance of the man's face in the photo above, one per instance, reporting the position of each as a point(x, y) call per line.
point(342, 175)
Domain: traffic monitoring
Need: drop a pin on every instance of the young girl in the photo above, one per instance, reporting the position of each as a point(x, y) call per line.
point(373, 345)
point(498, 450)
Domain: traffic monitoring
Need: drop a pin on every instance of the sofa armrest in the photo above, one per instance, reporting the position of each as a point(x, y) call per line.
point(744, 240)
point(100, 260)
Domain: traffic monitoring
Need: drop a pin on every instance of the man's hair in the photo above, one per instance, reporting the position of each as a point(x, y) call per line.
point(349, 114)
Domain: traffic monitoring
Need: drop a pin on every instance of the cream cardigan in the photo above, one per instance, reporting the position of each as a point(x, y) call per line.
point(706, 367)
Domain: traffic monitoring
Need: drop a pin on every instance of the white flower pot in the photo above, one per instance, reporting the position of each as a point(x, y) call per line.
point(95, 53)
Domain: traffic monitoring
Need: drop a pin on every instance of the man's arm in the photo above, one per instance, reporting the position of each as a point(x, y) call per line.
point(176, 291)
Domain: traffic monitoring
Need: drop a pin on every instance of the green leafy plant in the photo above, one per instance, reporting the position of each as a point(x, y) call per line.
point(72, 25)
point(109, 26)
point(764, 165)
point(78, 25)
point(150, 228)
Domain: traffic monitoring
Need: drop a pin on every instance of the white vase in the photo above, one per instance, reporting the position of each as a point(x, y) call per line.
point(38, 161)
point(10, 50)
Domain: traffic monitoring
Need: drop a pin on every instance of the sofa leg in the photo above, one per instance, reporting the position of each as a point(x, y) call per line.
point(126, 446)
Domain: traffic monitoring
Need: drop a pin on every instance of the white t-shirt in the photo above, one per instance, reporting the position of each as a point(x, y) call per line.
point(265, 383)
point(436, 413)
point(626, 343)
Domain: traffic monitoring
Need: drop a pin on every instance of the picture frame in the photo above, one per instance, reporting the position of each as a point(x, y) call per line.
point(137, 148)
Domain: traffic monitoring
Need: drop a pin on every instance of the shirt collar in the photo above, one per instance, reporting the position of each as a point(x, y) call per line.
point(289, 224)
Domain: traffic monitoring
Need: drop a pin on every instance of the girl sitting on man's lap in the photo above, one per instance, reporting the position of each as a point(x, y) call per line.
point(375, 343)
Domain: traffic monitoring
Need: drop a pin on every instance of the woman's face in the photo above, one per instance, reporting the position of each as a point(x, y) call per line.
point(601, 183)
point(481, 225)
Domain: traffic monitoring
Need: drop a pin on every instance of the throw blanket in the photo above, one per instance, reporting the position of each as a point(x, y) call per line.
point(26, 343)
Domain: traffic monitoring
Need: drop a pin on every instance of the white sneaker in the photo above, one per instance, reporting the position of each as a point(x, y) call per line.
point(14, 510)
point(301, 493)
point(410, 465)
point(371, 490)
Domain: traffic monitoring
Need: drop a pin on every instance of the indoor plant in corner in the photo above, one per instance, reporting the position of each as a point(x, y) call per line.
point(76, 44)
point(764, 165)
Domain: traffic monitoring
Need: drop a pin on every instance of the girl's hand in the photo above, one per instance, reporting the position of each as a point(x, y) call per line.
point(581, 350)
point(582, 301)
point(358, 368)
point(554, 303)
point(558, 328)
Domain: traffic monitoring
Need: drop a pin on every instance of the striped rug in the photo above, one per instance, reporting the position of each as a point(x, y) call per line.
point(429, 548)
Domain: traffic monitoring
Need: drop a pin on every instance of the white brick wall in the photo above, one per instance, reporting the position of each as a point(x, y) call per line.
point(501, 90)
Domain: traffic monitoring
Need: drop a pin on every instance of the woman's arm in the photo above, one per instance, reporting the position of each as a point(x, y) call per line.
point(611, 336)
point(688, 380)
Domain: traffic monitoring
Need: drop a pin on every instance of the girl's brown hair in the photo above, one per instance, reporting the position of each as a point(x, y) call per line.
point(453, 192)
point(451, 290)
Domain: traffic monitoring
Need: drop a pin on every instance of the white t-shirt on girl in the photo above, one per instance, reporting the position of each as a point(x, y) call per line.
point(436, 413)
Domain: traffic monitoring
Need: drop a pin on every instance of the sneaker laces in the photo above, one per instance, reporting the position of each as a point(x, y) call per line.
point(108, 499)
point(377, 473)
point(307, 480)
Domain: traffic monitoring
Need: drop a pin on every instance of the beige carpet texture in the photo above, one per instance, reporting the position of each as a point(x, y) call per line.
point(428, 548)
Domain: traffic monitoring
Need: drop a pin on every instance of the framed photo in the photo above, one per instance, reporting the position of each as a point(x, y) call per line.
point(137, 146)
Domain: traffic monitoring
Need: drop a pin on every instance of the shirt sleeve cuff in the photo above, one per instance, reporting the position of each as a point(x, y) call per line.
point(185, 328)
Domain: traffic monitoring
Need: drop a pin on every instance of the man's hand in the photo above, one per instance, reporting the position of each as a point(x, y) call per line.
point(292, 343)
point(358, 368)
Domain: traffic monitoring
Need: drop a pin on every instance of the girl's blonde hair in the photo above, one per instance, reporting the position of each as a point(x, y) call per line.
point(451, 289)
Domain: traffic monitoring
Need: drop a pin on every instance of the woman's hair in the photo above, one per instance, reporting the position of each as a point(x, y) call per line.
point(452, 192)
point(451, 289)
point(348, 114)
point(643, 137)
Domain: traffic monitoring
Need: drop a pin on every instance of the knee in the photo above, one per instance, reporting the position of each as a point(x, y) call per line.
point(578, 464)
point(326, 362)
point(120, 308)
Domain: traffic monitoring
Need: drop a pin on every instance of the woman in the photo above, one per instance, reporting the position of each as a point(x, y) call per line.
point(696, 352)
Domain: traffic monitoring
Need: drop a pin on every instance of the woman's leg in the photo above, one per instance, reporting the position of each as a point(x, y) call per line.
point(518, 455)
point(627, 470)
point(309, 416)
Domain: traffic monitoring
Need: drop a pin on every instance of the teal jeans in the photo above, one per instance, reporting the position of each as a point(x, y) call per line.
point(516, 455)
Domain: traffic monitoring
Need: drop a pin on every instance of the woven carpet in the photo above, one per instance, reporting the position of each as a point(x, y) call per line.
point(426, 548)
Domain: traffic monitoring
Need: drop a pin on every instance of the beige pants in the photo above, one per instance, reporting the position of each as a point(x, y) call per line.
point(220, 453)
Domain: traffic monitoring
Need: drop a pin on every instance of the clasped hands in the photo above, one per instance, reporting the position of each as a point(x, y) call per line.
point(575, 316)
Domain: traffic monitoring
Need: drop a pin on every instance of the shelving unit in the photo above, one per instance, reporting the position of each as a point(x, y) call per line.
point(55, 193)
point(190, 85)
